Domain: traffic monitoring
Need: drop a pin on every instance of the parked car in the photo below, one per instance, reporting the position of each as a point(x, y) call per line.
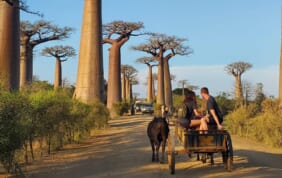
point(147, 108)
point(137, 107)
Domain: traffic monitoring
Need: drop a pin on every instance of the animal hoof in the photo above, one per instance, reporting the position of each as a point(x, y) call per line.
point(161, 162)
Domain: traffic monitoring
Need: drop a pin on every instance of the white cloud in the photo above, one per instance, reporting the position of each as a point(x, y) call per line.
point(216, 79)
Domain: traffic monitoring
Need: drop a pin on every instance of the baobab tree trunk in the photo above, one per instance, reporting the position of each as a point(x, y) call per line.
point(90, 75)
point(167, 84)
point(123, 89)
point(29, 64)
point(150, 84)
point(114, 80)
point(153, 88)
point(9, 44)
point(280, 75)
point(26, 63)
point(58, 74)
point(130, 92)
point(238, 89)
point(160, 89)
point(22, 66)
point(127, 91)
point(183, 89)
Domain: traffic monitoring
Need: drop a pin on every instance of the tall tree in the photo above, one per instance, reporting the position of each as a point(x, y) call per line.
point(33, 34)
point(148, 61)
point(116, 34)
point(247, 91)
point(163, 48)
point(90, 75)
point(130, 75)
point(61, 53)
point(280, 71)
point(259, 95)
point(9, 43)
point(155, 78)
point(236, 69)
point(183, 83)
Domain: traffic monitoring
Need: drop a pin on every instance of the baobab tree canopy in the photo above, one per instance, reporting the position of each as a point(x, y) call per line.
point(158, 44)
point(163, 48)
point(22, 6)
point(129, 71)
point(146, 60)
point(42, 31)
point(119, 30)
point(59, 51)
point(238, 68)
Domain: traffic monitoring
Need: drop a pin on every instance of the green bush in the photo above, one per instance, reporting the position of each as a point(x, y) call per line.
point(177, 101)
point(13, 109)
point(238, 122)
point(39, 114)
point(265, 127)
point(121, 108)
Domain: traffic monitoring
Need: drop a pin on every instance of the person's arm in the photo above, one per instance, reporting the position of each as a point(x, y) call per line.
point(197, 113)
point(219, 126)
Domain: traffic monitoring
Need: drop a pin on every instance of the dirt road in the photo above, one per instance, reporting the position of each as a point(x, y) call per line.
point(123, 151)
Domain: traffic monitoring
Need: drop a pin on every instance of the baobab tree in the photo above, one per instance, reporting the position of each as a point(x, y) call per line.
point(280, 74)
point(183, 83)
point(116, 34)
point(90, 74)
point(61, 53)
point(33, 34)
point(9, 43)
point(236, 69)
point(163, 48)
point(150, 62)
point(155, 78)
point(129, 74)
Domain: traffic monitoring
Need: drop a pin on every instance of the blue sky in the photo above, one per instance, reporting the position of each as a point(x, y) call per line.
point(219, 31)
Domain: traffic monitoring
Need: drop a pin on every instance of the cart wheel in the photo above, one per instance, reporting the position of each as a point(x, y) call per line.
point(229, 164)
point(228, 155)
point(171, 155)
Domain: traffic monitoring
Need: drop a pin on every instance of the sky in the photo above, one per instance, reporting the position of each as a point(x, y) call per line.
point(220, 32)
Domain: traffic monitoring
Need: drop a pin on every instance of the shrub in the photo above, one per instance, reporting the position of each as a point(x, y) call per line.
point(13, 134)
point(157, 109)
point(238, 122)
point(264, 127)
point(121, 108)
point(267, 127)
point(50, 117)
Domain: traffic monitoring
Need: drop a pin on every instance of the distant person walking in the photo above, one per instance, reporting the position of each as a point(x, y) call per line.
point(215, 116)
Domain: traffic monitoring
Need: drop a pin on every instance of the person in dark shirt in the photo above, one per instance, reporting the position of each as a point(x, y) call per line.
point(215, 116)
point(190, 114)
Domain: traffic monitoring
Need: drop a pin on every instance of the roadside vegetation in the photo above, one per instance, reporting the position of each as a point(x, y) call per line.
point(39, 120)
point(261, 125)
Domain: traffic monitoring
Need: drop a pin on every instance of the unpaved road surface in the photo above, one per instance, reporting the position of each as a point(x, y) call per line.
point(123, 150)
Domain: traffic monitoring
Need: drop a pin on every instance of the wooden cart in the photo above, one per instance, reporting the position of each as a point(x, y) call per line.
point(205, 143)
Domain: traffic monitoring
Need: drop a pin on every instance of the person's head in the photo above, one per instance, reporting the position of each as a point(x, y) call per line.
point(190, 96)
point(205, 93)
